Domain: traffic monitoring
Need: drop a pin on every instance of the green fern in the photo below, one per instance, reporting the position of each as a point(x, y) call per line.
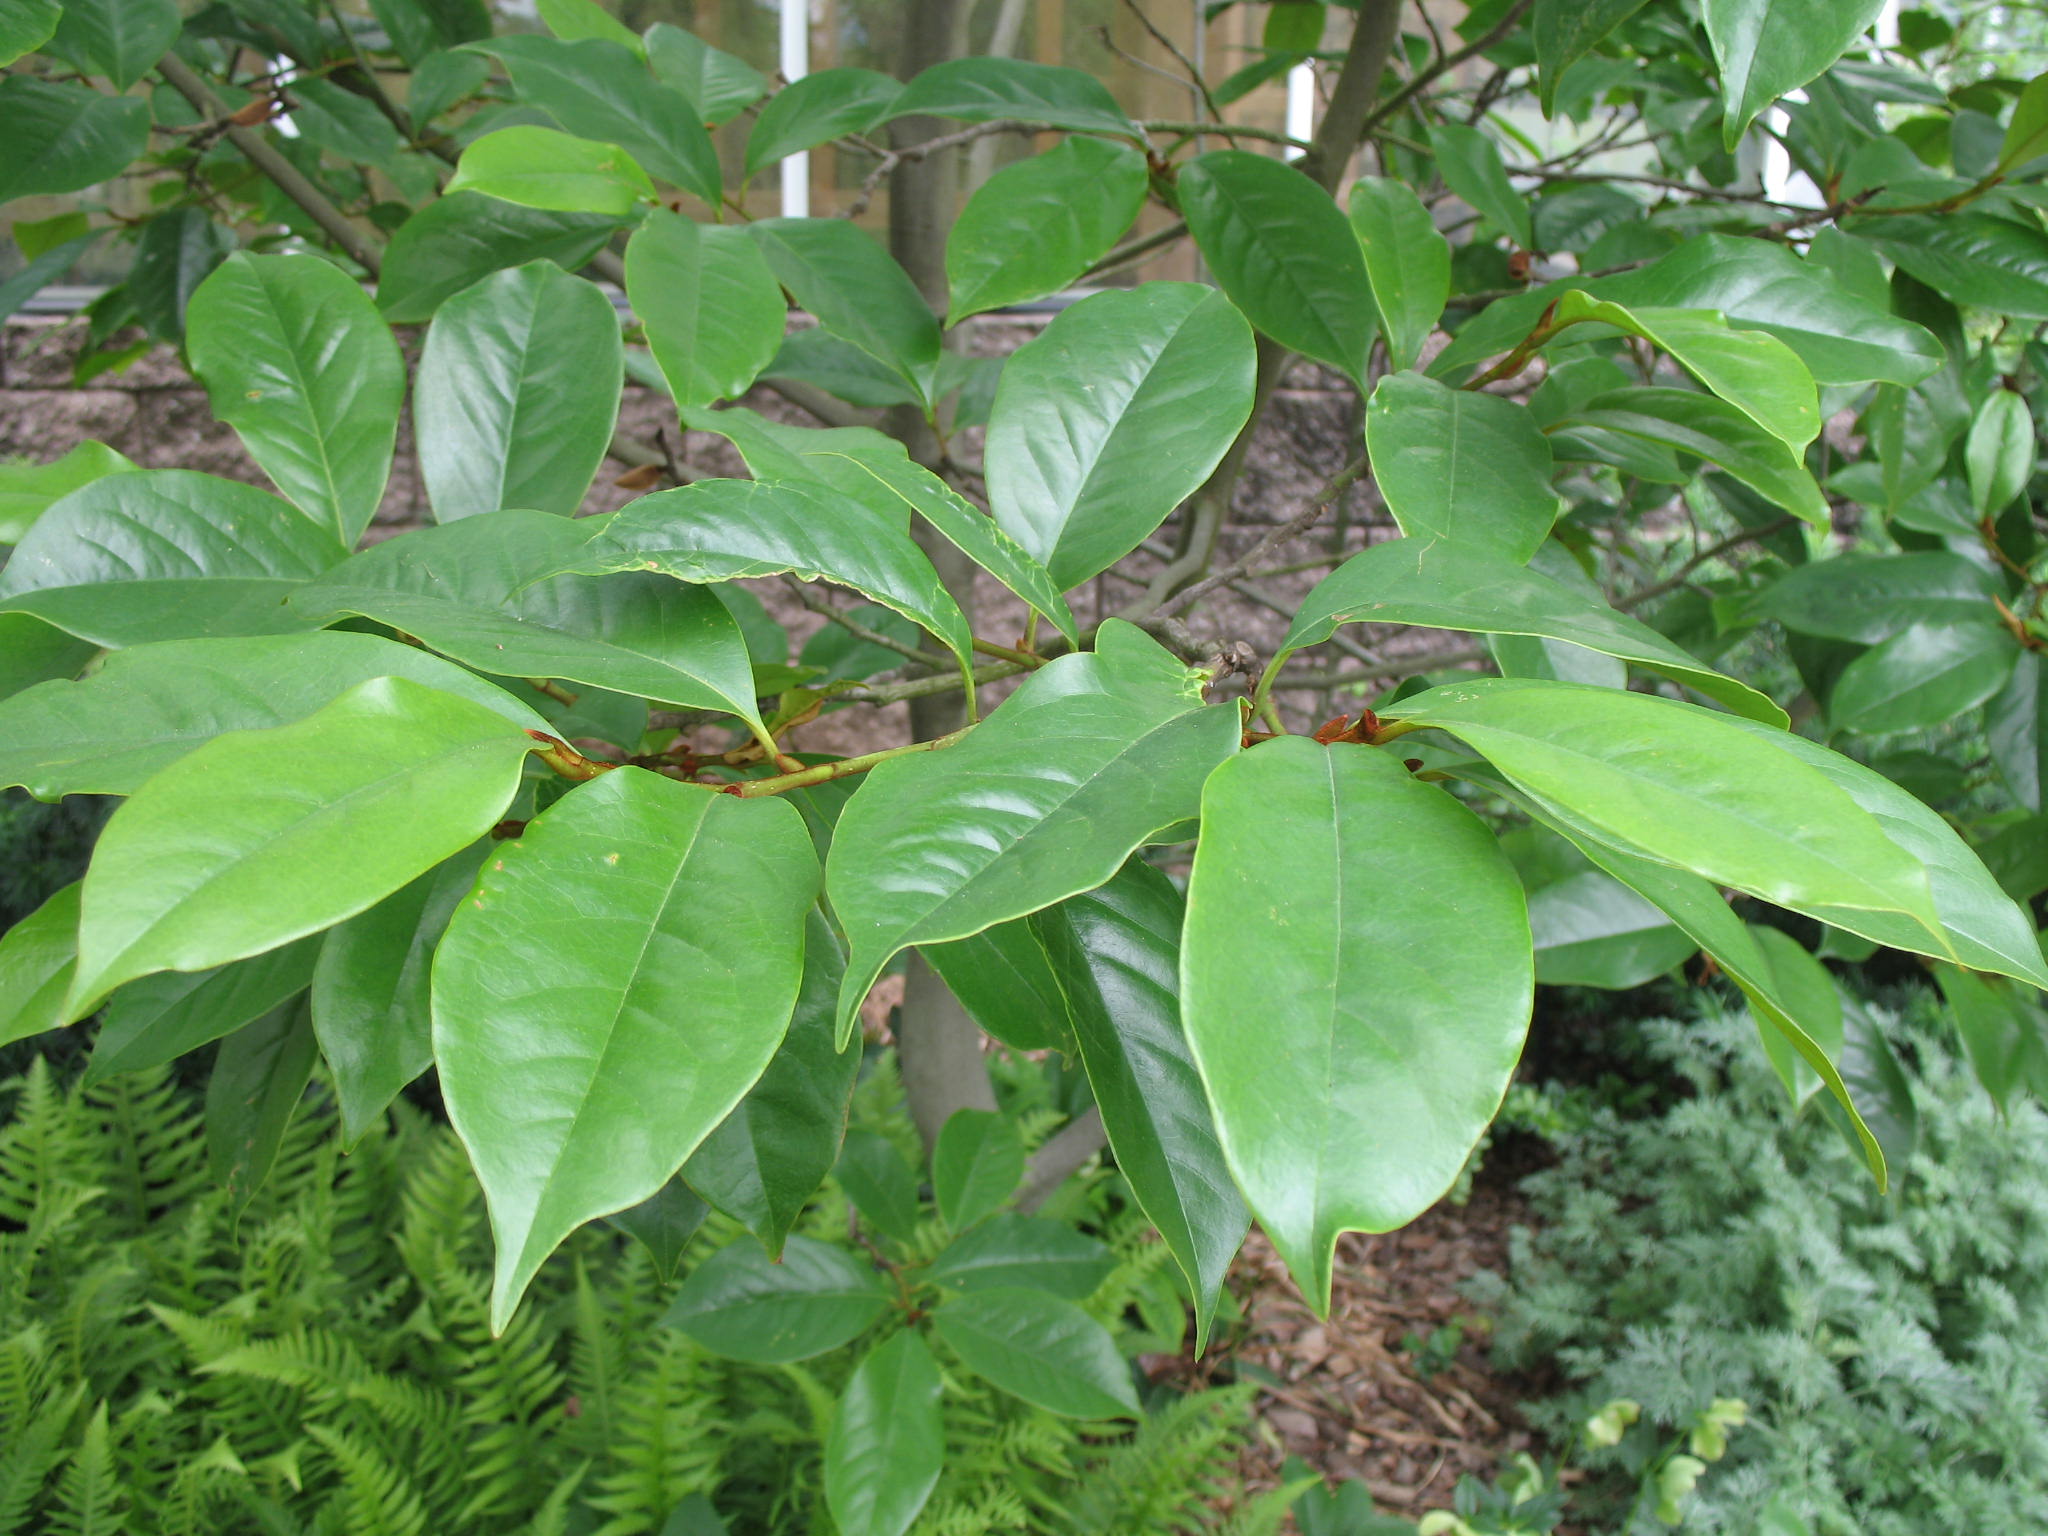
point(89, 1500)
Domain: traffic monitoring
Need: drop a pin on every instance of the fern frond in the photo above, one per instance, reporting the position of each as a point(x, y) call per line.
point(379, 1497)
point(89, 1501)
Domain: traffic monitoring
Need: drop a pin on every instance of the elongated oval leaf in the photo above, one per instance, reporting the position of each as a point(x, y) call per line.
point(1765, 48)
point(33, 652)
point(1407, 261)
point(1565, 31)
point(1449, 585)
point(260, 837)
point(1283, 253)
point(297, 360)
point(1386, 1029)
point(518, 390)
point(739, 1305)
point(2017, 724)
point(27, 491)
point(38, 957)
point(1999, 452)
point(1037, 224)
point(540, 168)
point(1714, 430)
point(1970, 258)
point(1869, 598)
point(987, 90)
point(25, 25)
point(1045, 799)
point(1472, 168)
point(166, 554)
point(888, 1443)
point(719, 85)
point(63, 138)
point(156, 1019)
point(1590, 930)
point(713, 311)
point(1042, 1349)
point(816, 109)
point(1112, 417)
point(1461, 466)
point(1921, 677)
point(857, 291)
point(259, 1075)
point(580, 1086)
point(121, 39)
point(1004, 979)
point(457, 240)
point(976, 1165)
point(1008, 1251)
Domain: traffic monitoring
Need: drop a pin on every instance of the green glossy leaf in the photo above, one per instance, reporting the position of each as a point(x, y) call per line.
point(2004, 1030)
point(597, 90)
point(173, 256)
point(713, 311)
point(1868, 598)
point(817, 109)
point(1407, 261)
point(1040, 1348)
point(2026, 134)
point(371, 1005)
point(120, 39)
point(1590, 930)
point(297, 360)
point(1112, 417)
point(764, 1161)
point(879, 1182)
point(1804, 983)
point(64, 138)
point(27, 491)
point(581, 1086)
point(1037, 224)
point(1004, 979)
point(721, 530)
point(1471, 167)
point(576, 19)
point(259, 1076)
point(1458, 465)
point(458, 240)
point(260, 837)
point(1875, 1077)
point(1008, 1251)
point(147, 707)
point(1766, 48)
point(1998, 455)
point(166, 554)
point(2017, 724)
point(1923, 676)
point(977, 1164)
point(1283, 253)
point(857, 291)
point(1714, 430)
point(988, 90)
point(38, 957)
point(1565, 31)
point(739, 1305)
point(25, 25)
point(718, 85)
point(887, 1444)
point(517, 394)
point(156, 1019)
point(345, 125)
point(1116, 951)
point(1388, 1031)
point(541, 168)
point(1970, 258)
point(663, 1224)
point(1095, 753)
point(33, 652)
point(441, 80)
point(417, 27)
point(484, 590)
point(1449, 585)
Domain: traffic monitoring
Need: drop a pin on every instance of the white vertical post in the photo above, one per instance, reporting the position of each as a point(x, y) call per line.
point(1301, 105)
point(795, 40)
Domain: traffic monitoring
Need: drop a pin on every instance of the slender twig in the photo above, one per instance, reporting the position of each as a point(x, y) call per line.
point(1293, 528)
point(1133, 250)
point(923, 149)
point(1450, 61)
point(822, 605)
point(1195, 81)
point(843, 768)
point(1679, 577)
point(1223, 131)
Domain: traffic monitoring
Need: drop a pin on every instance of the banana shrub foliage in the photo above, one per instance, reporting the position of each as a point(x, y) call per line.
point(356, 828)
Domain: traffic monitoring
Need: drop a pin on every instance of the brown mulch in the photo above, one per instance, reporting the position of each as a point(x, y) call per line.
point(1351, 1401)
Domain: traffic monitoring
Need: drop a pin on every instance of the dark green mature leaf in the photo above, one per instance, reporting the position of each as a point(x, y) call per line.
point(1107, 421)
point(1451, 585)
point(1869, 598)
point(1970, 258)
point(1922, 676)
point(33, 652)
point(1714, 430)
point(857, 291)
point(25, 25)
point(2017, 724)
point(418, 27)
point(1003, 977)
point(2026, 135)
point(440, 80)
point(484, 590)
point(63, 138)
point(371, 1004)
point(596, 89)
point(1565, 31)
point(764, 1161)
point(38, 957)
point(517, 393)
point(887, 1444)
point(166, 554)
point(173, 256)
point(582, 1086)
point(663, 1224)
point(260, 837)
point(540, 168)
point(976, 1165)
point(1040, 1348)
point(147, 707)
point(259, 1076)
point(1999, 454)
point(717, 84)
point(1008, 1251)
point(1877, 1080)
point(1471, 167)
point(1407, 261)
point(2004, 1030)
point(156, 1019)
point(987, 90)
point(1116, 951)
point(713, 311)
point(1095, 753)
point(721, 530)
point(121, 39)
point(739, 1305)
point(881, 1185)
point(27, 491)
point(1461, 466)
point(1283, 253)
point(1804, 983)
point(297, 360)
point(1037, 224)
point(456, 240)
point(817, 109)
point(1590, 930)
point(1388, 1030)
point(1765, 48)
